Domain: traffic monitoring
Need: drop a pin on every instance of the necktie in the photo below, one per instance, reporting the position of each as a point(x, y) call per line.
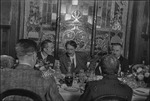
point(72, 65)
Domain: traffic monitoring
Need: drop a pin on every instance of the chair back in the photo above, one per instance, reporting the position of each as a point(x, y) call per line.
point(110, 98)
point(19, 95)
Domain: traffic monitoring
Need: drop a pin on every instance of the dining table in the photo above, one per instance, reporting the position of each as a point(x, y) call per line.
point(74, 92)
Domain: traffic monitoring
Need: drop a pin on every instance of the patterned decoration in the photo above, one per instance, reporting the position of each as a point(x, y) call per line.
point(102, 42)
point(34, 21)
point(116, 21)
point(111, 19)
point(78, 18)
point(74, 30)
point(76, 22)
point(48, 35)
point(116, 37)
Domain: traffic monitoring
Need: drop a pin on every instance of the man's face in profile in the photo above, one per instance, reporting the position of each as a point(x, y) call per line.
point(70, 50)
point(117, 50)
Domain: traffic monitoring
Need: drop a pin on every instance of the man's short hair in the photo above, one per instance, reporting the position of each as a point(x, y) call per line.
point(72, 43)
point(44, 44)
point(109, 64)
point(116, 44)
point(25, 47)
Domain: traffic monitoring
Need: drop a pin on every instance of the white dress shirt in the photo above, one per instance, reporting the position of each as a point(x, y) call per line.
point(73, 58)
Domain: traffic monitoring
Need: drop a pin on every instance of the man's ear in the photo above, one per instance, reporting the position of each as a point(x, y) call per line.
point(121, 51)
point(34, 57)
point(44, 49)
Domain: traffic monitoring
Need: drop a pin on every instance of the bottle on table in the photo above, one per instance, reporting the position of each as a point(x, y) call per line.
point(69, 76)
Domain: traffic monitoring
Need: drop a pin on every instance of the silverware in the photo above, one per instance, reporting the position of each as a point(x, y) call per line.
point(140, 91)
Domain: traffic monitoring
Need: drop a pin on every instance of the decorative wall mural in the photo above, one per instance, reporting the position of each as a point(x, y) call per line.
point(33, 24)
point(74, 29)
point(81, 37)
point(50, 35)
point(111, 18)
point(76, 22)
point(38, 23)
point(102, 41)
point(116, 37)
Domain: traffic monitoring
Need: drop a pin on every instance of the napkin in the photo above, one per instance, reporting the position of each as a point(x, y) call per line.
point(142, 91)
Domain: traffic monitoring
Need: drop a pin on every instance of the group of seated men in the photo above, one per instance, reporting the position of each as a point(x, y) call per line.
point(24, 76)
point(78, 59)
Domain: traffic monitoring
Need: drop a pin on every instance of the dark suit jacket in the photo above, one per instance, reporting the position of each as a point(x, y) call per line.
point(25, 77)
point(108, 85)
point(81, 62)
point(124, 64)
point(49, 59)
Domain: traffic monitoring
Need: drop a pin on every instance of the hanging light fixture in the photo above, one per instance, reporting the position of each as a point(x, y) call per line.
point(74, 2)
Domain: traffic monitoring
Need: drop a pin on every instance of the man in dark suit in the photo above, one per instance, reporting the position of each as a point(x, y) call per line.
point(109, 85)
point(117, 51)
point(25, 77)
point(79, 60)
point(45, 55)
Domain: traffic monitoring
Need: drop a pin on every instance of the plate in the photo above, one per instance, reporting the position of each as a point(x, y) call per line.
point(142, 91)
point(71, 89)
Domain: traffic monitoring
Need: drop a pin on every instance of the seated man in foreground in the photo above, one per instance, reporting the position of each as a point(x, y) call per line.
point(109, 85)
point(25, 77)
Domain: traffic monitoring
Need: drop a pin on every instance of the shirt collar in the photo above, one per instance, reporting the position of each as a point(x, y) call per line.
point(44, 57)
point(73, 56)
point(25, 64)
point(110, 76)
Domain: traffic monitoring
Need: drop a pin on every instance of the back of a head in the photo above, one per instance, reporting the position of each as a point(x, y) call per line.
point(25, 47)
point(109, 65)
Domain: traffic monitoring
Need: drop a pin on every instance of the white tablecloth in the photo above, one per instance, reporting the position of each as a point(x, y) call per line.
point(74, 96)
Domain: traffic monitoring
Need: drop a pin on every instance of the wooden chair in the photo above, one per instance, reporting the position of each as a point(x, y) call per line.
point(110, 98)
point(13, 94)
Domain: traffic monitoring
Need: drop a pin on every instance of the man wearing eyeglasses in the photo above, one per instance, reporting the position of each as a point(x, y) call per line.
point(46, 53)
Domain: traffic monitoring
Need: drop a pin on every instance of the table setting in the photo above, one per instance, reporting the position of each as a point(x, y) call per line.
point(136, 80)
point(71, 86)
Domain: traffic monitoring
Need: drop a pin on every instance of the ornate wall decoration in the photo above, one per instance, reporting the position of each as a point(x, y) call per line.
point(76, 22)
point(48, 19)
point(33, 20)
point(75, 29)
point(111, 18)
point(102, 42)
point(116, 37)
point(39, 24)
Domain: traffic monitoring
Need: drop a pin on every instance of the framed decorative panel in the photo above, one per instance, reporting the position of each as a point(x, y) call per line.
point(40, 19)
point(32, 23)
point(111, 20)
point(76, 23)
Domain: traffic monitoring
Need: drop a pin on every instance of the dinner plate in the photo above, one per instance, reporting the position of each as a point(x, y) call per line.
point(142, 91)
point(71, 89)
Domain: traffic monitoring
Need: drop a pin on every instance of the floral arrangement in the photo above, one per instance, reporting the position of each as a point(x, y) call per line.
point(141, 71)
point(43, 64)
point(6, 61)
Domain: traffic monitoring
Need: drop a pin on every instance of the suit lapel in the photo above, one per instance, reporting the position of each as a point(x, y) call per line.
point(67, 59)
point(39, 55)
point(77, 62)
